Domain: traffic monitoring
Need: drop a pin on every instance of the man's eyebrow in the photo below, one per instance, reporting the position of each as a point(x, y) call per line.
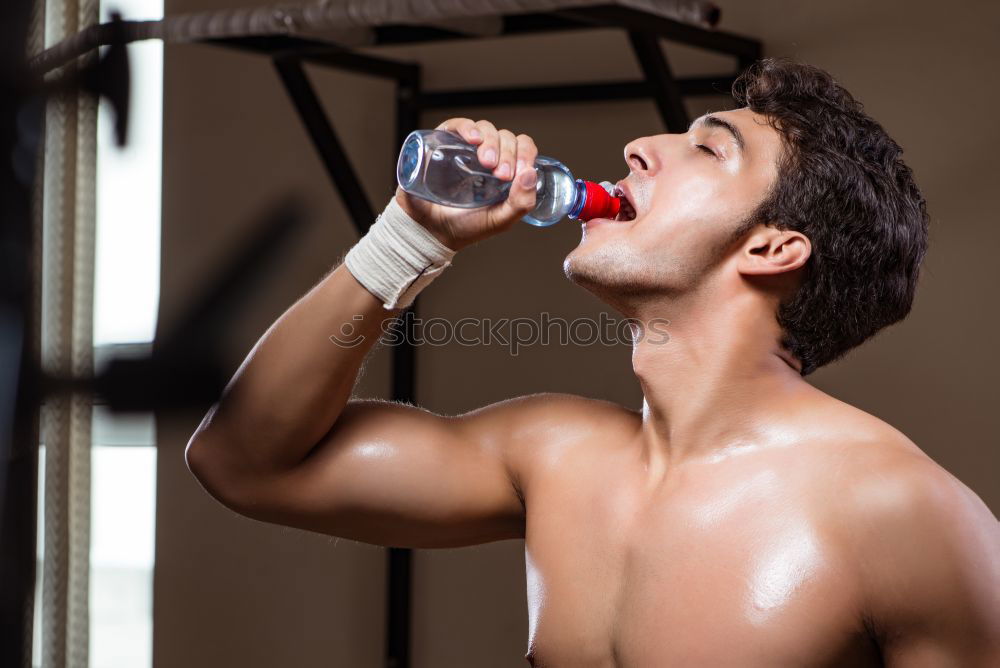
point(718, 122)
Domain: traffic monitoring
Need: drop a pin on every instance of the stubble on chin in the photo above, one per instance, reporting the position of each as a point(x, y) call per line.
point(617, 274)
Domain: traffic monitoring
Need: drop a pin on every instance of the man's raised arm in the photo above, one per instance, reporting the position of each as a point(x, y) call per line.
point(284, 445)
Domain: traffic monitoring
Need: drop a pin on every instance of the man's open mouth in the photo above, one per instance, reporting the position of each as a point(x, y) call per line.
point(627, 210)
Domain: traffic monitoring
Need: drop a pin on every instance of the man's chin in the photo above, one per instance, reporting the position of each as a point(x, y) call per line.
point(578, 266)
point(618, 275)
point(606, 271)
point(607, 262)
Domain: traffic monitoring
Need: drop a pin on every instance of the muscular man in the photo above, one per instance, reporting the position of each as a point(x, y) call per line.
point(741, 517)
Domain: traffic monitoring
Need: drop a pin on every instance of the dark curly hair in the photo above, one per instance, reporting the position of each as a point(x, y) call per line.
point(842, 183)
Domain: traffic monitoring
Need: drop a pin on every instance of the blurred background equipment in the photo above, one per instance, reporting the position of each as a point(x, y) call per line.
point(47, 379)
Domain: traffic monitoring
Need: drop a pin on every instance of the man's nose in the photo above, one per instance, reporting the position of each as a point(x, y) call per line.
point(640, 157)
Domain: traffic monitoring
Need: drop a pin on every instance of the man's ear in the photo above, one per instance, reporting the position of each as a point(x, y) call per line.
point(770, 251)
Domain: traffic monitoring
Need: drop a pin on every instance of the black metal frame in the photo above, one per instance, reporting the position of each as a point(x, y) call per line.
point(668, 92)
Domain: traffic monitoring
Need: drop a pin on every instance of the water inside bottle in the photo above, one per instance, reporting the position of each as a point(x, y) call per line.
point(451, 174)
point(555, 192)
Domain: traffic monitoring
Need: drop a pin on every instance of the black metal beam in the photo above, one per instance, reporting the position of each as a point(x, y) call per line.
point(330, 150)
point(183, 368)
point(407, 120)
point(634, 20)
point(276, 46)
point(585, 18)
point(360, 63)
point(572, 93)
point(404, 377)
point(399, 569)
point(517, 24)
point(666, 93)
point(411, 34)
point(524, 24)
point(284, 47)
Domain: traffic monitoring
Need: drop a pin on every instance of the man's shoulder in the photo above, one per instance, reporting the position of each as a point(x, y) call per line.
point(889, 494)
point(555, 424)
point(923, 544)
point(556, 409)
point(887, 479)
point(546, 431)
point(895, 487)
point(921, 538)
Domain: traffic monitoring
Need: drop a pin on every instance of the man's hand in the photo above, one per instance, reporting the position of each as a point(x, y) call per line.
point(513, 159)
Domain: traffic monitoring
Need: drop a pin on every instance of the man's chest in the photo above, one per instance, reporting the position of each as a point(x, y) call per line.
point(706, 574)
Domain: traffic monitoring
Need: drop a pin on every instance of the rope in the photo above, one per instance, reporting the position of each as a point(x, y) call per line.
point(68, 220)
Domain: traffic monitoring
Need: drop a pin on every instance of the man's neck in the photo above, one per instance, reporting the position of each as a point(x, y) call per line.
point(709, 386)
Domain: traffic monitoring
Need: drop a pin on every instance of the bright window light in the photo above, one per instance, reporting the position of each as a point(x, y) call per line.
point(127, 277)
point(123, 505)
point(126, 297)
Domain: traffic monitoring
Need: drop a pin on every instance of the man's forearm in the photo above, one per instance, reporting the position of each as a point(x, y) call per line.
point(296, 380)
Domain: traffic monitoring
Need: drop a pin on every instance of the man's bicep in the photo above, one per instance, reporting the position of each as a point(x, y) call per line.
point(396, 475)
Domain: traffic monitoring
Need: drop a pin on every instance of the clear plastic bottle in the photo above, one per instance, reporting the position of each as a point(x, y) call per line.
point(441, 167)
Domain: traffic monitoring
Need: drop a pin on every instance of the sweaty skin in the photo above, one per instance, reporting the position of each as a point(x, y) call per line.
point(741, 517)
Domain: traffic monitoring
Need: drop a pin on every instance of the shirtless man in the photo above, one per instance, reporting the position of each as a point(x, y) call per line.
point(741, 517)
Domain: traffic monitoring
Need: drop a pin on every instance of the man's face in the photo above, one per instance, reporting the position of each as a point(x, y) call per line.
point(690, 192)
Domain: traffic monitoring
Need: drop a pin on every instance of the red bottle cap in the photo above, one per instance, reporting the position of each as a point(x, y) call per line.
point(598, 203)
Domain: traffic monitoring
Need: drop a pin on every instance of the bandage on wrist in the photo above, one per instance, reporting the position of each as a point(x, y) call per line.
point(397, 258)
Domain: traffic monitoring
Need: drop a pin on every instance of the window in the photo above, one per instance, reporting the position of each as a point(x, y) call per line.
point(123, 511)
point(123, 504)
point(127, 275)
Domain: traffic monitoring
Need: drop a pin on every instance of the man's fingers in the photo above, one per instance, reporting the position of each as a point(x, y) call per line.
point(525, 176)
point(463, 127)
point(526, 148)
point(527, 153)
point(522, 191)
point(508, 154)
point(489, 151)
point(510, 157)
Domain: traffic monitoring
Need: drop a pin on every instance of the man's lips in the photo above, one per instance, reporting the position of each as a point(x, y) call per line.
point(622, 190)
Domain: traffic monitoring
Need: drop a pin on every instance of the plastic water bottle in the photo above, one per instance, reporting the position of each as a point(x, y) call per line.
point(441, 167)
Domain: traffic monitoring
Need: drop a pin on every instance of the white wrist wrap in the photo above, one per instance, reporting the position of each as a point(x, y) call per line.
point(397, 258)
